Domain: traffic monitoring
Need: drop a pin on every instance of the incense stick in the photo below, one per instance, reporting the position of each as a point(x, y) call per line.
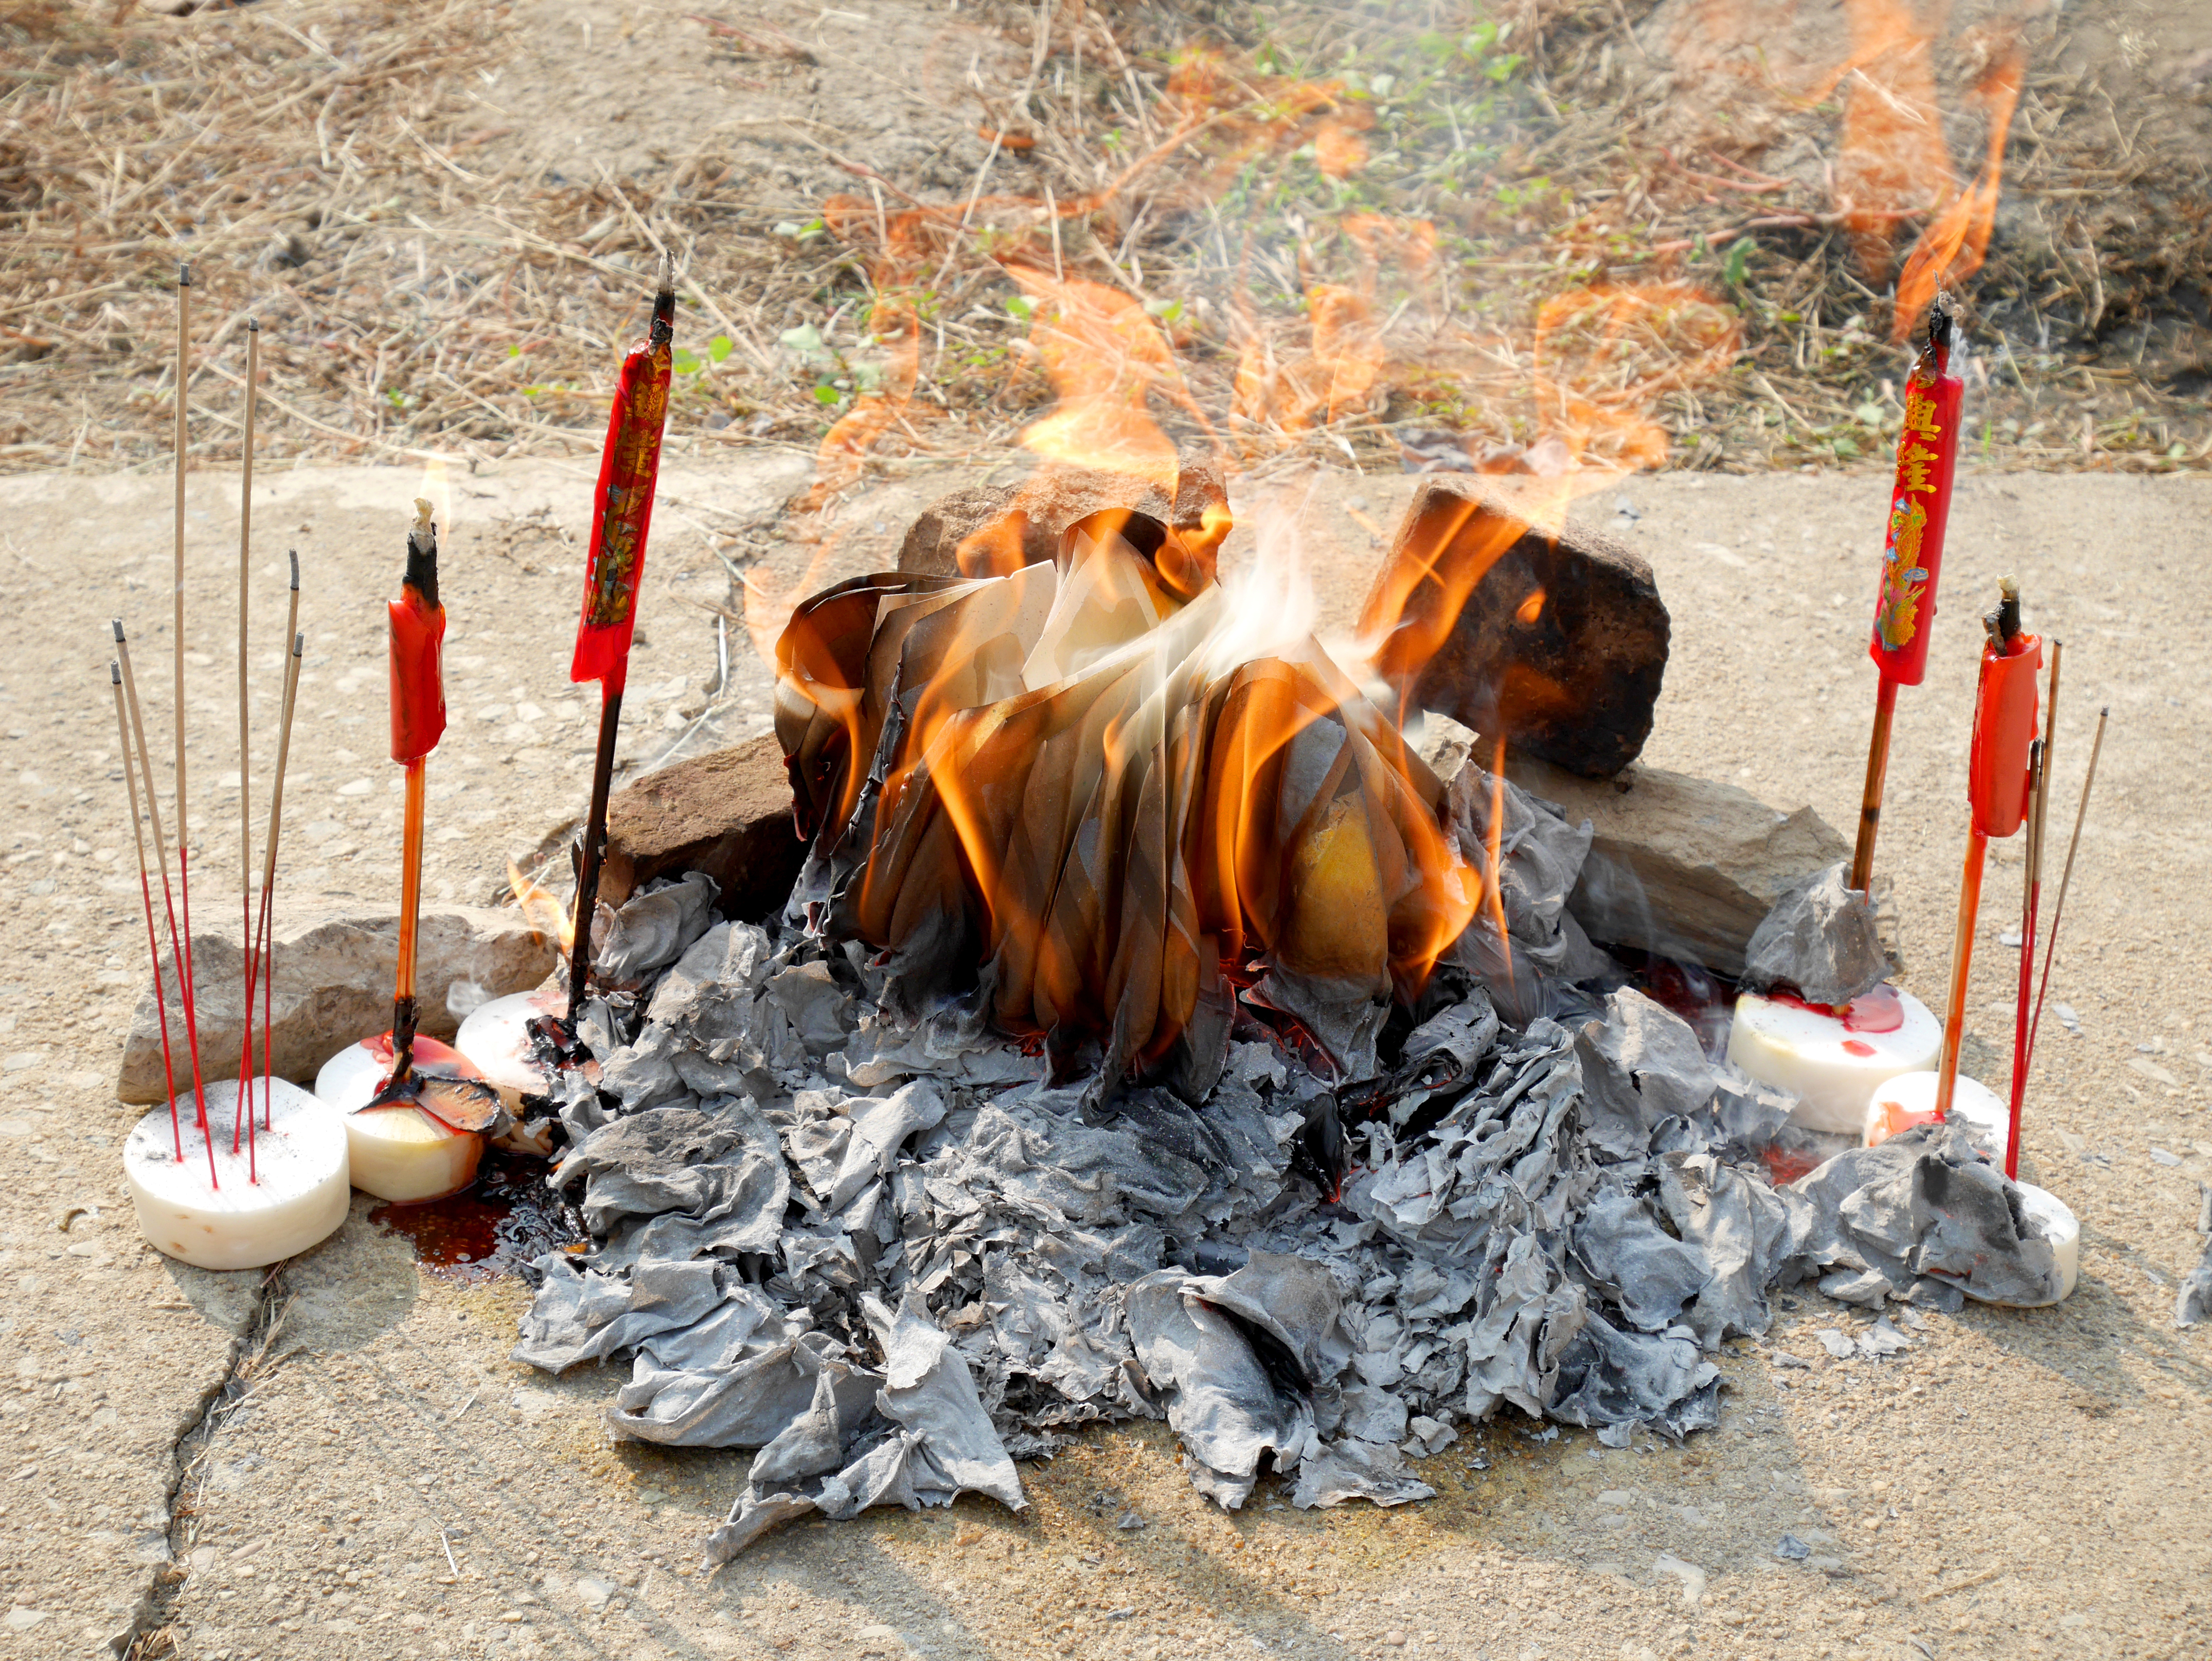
point(184, 976)
point(146, 894)
point(264, 939)
point(2032, 907)
point(2065, 879)
point(168, 902)
point(244, 1105)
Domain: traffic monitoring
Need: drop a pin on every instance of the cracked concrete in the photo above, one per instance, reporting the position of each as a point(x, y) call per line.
point(2012, 1484)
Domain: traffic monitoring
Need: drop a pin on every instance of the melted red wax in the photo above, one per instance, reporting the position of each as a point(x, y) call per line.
point(428, 1053)
point(1880, 1010)
point(1857, 1047)
point(504, 1218)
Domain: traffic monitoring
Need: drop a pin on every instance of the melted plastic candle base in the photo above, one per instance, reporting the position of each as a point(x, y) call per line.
point(1909, 1099)
point(396, 1153)
point(495, 1040)
point(1831, 1062)
point(2061, 1227)
point(299, 1198)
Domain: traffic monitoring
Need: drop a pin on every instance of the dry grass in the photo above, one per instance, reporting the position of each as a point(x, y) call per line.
point(1595, 245)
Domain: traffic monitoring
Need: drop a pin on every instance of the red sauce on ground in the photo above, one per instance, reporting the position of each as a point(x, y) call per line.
point(1880, 1010)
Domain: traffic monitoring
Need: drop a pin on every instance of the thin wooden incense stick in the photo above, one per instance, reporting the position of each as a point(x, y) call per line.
point(254, 916)
point(245, 1106)
point(146, 894)
point(2031, 905)
point(264, 939)
point(2065, 879)
point(168, 902)
point(177, 645)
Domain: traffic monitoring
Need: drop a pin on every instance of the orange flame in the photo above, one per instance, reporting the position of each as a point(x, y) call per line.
point(542, 908)
point(1952, 246)
point(1894, 155)
point(1113, 794)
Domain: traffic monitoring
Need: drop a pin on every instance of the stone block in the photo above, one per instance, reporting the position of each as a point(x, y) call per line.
point(726, 813)
point(1681, 866)
point(332, 987)
point(1559, 642)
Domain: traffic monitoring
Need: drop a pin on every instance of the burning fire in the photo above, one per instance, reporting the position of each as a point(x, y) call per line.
point(1121, 799)
point(541, 909)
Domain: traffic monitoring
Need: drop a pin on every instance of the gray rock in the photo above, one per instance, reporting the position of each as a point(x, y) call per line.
point(727, 814)
point(1559, 646)
point(1819, 941)
point(333, 986)
point(1681, 866)
point(2193, 1303)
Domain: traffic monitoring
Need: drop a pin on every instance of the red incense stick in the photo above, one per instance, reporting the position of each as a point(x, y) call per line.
point(177, 941)
point(2032, 906)
point(1912, 559)
point(188, 981)
point(242, 1112)
point(2065, 881)
point(146, 894)
point(265, 942)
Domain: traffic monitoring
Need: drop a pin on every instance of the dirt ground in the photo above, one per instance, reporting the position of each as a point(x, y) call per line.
point(2014, 1483)
point(339, 1460)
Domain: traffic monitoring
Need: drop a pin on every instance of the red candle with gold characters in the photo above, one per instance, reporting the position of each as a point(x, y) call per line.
point(622, 511)
point(1919, 504)
point(1911, 559)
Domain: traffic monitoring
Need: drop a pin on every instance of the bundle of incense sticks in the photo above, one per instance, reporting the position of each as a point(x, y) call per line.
point(258, 918)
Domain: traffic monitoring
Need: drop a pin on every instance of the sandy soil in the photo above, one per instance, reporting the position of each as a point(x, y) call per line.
point(2014, 1483)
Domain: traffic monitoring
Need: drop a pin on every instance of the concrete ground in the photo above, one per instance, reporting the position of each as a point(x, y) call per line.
point(338, 1459)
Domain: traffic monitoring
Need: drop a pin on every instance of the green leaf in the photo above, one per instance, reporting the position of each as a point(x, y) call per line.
point(685, 363)
point(826, 394)
point(1022, 307)
point(1738, 256)
point(806, 339)
point(719, 347)
point(514, 351)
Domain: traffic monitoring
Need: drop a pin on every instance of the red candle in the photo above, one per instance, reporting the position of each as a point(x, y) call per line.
point(1913, 551)
point(622, 512)
point(418, 634)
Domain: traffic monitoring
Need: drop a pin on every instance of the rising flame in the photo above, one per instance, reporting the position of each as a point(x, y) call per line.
point(1119, 801)
point(1952, 247)
point(541, 909)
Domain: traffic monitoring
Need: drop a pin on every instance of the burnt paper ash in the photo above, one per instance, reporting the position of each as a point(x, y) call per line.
point(894, 1256)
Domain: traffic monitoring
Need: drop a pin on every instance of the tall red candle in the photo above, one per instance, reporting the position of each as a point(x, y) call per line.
point(1911, 559)
point(1920, 506)
point(622, 511)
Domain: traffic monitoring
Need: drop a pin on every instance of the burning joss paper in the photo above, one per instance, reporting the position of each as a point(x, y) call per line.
point(1120, 800)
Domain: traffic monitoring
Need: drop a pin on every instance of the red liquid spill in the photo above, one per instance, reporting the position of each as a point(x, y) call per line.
point(1880, 1010)
point(1857, 1047)
point(501, 1221)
